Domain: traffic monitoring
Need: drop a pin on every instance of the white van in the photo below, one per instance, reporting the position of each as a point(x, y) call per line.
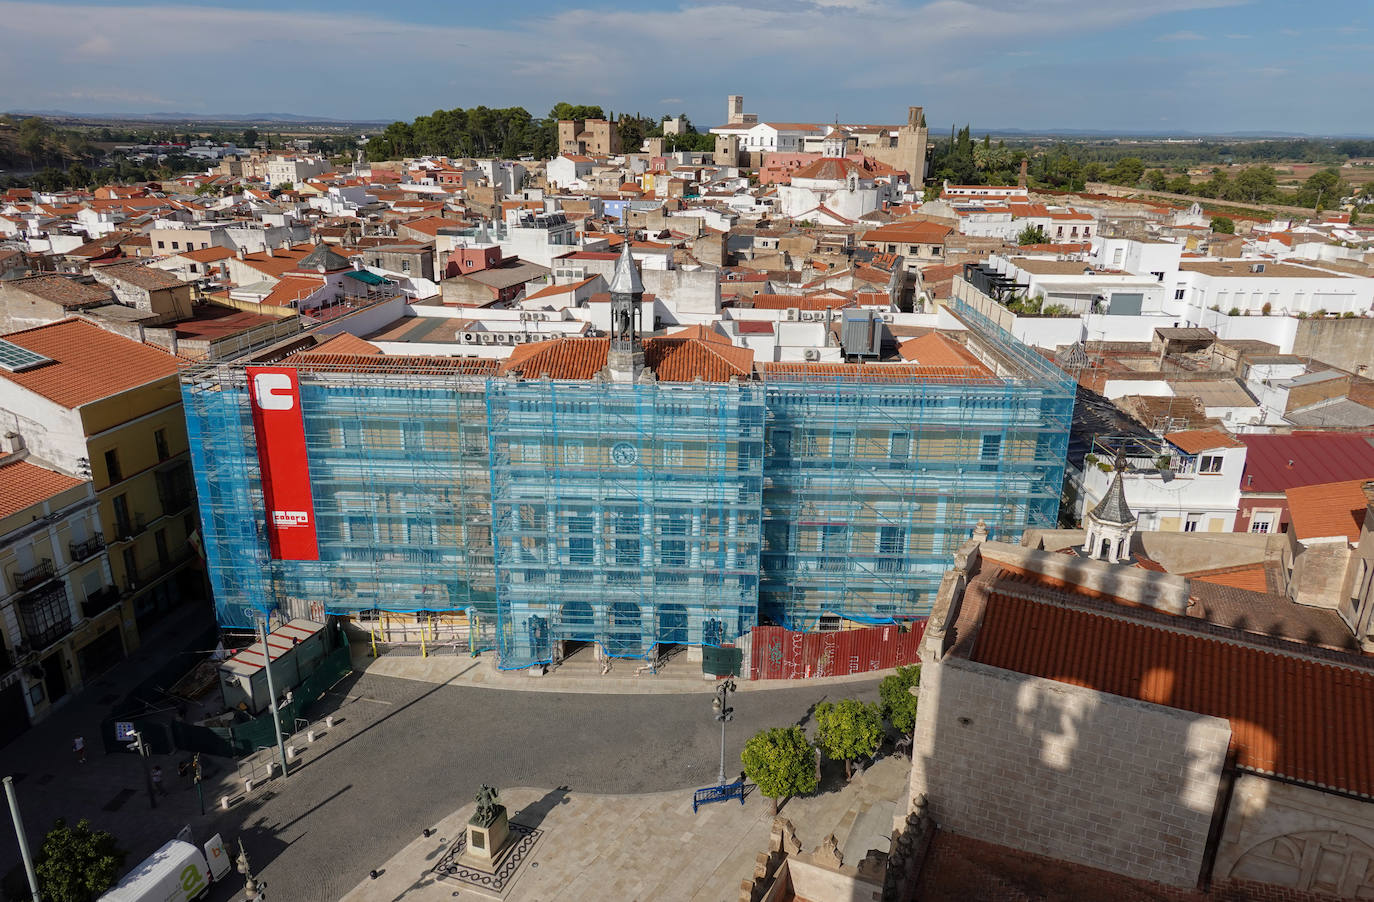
point(177, 872)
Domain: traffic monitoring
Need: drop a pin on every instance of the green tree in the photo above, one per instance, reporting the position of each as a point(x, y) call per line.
point(899, 705)
point(1155, 180)
point(1321, 190)
point(33, 138)
point(1224, 225)
point(1215, 186)
point(781, 762)
point(1254, 184)
point(847, 730)
point(50, 179)
point(1033, 234)
point(1181, 184)
point(250, 137)
point(78, 176)
point(1127, 171)
point(76, 864)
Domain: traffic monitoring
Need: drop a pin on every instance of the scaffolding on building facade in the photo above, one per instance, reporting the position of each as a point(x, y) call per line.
point(633, 515)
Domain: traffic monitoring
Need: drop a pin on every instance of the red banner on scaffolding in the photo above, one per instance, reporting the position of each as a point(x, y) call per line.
point(280, 430)
point(781, 654)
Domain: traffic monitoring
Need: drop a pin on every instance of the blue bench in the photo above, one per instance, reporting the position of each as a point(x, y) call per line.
point(723, 793)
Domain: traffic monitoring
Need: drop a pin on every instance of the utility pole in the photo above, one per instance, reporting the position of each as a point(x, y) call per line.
point(272, 692)
point(23, 839)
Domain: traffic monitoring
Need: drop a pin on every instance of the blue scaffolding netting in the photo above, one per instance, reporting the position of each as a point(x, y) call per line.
point(524, 514)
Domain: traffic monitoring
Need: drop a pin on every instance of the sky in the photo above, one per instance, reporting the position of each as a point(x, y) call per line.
point(1163, 66)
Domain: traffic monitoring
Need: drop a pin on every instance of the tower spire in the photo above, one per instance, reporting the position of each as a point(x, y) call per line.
point(1111, 524)
point(625, 359)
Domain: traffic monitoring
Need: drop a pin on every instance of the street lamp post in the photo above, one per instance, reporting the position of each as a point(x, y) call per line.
point(272, 693)
point(724, 713)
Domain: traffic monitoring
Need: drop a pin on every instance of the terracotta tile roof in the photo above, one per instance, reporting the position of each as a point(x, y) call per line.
point(699, 332)
point(559, 358)
point(1251, 577)
point(1328, 509)
point(207, 254)
point(869, 372)
point(62, 290)
point(919, 232)
point(754, 327)
point(23, 484)
point(293, 288)
point(834, 169)
point(1193, 441)
point(343, 343)
point(389, 363)
point(141, 275)
point(430, 225)
point(688, 359)
point(88, 362)
point(672, 359)
point(784, 301)
point(934, 349)
point(1290, 715)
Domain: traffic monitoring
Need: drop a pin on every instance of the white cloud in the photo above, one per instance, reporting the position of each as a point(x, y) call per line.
point(1181, 36)
point(289, 61)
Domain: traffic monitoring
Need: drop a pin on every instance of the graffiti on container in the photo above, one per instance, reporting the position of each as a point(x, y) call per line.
point(788, 654)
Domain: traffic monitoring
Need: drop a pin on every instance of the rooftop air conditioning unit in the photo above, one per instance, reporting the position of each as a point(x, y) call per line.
point(812, 354)
point(792, 314)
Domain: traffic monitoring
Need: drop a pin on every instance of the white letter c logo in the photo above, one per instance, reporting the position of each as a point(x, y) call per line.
point(272, 391)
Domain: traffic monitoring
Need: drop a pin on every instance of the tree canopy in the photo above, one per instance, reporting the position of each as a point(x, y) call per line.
point(1033, 234)
point(76, 864)
point(848, 729)
point(781, 762)
point(898, 703)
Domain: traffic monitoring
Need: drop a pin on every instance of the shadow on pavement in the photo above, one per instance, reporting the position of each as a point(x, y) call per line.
point(533, 814)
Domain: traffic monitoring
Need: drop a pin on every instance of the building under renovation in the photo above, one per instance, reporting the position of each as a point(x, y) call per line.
point(628, 491)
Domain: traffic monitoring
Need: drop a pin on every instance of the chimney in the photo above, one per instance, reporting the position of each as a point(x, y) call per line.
point(267, 249)
point(1024, 167)
point(239, 252)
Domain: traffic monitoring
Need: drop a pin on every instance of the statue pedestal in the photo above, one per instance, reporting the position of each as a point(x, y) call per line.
point(486, 840)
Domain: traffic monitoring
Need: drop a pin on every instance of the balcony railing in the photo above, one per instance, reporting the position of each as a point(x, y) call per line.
point(99, 602)
point(89, 548)
point(27, 579)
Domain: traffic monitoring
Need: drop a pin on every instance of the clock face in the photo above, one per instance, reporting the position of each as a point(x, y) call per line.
point(624, 454)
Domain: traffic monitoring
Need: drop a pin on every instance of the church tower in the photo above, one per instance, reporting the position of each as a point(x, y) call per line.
point(626, 358)
point(1111, 525)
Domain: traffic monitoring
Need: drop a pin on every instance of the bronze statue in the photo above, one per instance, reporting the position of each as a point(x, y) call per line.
point(487, 803)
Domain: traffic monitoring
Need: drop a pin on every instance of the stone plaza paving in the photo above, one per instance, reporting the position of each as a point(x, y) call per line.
point(644, 846)
point(406, 752)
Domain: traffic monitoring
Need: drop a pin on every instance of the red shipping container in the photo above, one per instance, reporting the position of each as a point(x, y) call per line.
point(781, 654)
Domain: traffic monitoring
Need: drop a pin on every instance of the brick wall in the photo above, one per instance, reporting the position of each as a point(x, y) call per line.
point(1067, 772)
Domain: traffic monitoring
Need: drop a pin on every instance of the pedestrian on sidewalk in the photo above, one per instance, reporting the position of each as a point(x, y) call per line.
point(79, 747)
point(157, 780)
